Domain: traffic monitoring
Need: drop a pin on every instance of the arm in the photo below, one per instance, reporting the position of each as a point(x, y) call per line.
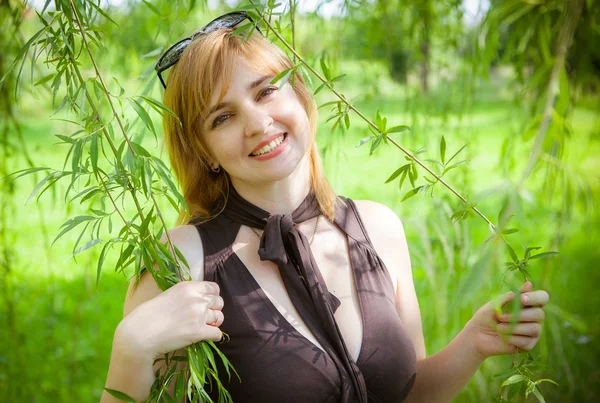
point(131, 368)
point(443, 375)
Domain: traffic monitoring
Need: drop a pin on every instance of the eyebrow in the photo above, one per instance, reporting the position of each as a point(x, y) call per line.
point(252, 86)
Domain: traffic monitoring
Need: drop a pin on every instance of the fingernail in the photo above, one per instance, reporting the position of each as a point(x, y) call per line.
point(525, 299)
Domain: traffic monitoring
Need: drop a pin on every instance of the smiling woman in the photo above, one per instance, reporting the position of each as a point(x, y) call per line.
point(333, 319)
point(216, 85)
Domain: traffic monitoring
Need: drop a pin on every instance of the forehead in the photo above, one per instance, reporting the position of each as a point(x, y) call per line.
point(241, 75)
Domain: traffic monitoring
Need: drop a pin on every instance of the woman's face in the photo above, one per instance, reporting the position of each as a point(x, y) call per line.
point(256, 133)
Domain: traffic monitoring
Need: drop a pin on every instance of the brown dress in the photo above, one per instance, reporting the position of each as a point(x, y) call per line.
point(275, 362)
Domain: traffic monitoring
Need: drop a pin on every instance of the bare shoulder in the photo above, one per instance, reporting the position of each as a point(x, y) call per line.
point(185, 238)
point(387, 236)
point(382, 224)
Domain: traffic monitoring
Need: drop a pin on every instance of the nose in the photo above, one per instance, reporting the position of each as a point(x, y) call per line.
point(258, 122)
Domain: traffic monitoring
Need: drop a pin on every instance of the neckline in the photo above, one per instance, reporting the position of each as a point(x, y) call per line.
point(267, 301)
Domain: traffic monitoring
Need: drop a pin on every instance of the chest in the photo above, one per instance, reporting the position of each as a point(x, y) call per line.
point(331, 253)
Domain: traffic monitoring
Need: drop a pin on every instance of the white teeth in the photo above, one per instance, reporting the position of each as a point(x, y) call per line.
point(269, 147)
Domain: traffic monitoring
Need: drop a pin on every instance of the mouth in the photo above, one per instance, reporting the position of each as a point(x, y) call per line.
point(269, 147)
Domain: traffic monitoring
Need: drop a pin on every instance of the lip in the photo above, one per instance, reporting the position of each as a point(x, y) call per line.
point(265, 142)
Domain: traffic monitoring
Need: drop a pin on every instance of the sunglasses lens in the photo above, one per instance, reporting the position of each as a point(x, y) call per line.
point(225, 21)
point(174, 53)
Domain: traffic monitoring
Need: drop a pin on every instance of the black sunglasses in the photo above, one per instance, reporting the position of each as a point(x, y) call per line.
point(173, 54)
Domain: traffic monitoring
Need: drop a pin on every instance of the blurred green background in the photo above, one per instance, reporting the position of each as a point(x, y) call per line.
point(480, 73)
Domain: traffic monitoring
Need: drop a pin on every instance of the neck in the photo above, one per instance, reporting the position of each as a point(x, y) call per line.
point(279, 197)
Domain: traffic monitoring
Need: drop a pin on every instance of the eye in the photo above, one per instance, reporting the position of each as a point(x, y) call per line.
point(220, 119)
point(267, 91)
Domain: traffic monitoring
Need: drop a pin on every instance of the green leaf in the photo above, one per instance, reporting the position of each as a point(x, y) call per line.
point(164, 174)
point(120, 395)
point(25, 172)
point(72, 223)
point(456, 164)
point(443, 150)
point(538, 395)
point(529, 250)
point(512, 253)
point(100, 11)
point(456, 153)
point(329, 103)
point(375, 144)
point(103, 254)
point(87, 246)
point(140, 150)
point(319, 88)
point(284, 76)
point(401, 182)
point(121, 89)
point(243, 29)
point(397, 173)
point(514, 379)
point(543, 255)
point(94, 151)
point(141, 112)
point(397, 129)
point(364, 140)
point(546, 380)
point(45, 79)
point(325, 69)
point(413, 192)
point(152, 8)
point(53, 175)
point(159, 107)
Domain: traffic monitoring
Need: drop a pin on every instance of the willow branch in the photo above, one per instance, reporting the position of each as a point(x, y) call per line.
point(374, 126)
point(116, 115)
point(567, 31)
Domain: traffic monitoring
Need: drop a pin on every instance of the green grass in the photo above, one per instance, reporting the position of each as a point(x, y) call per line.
point(59, 325)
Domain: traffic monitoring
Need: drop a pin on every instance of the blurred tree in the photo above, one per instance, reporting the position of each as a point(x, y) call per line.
point(403, 33)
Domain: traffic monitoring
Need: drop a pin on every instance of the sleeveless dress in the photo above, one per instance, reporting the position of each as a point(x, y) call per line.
point(275, 362)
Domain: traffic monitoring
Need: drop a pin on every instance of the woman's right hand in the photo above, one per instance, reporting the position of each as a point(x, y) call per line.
point(184, 314)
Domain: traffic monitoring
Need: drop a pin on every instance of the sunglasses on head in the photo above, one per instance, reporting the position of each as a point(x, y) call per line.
point(173, 54)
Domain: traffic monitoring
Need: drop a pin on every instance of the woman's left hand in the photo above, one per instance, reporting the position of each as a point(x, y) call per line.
point(495, 334)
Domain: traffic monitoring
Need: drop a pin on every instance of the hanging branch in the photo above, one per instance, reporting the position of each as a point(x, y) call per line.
point(120, 123)
point(565, 37)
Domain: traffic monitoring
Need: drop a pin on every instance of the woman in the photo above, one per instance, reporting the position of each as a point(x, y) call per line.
point(315, 290)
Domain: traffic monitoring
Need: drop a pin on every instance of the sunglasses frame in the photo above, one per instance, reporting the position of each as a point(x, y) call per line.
point(173, 54)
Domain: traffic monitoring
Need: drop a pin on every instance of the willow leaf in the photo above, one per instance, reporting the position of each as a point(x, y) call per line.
point(120, 395)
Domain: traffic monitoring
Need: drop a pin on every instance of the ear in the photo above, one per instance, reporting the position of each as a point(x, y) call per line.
point(212, 163)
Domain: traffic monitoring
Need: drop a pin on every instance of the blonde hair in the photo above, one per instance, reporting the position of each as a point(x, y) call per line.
point(190, 85)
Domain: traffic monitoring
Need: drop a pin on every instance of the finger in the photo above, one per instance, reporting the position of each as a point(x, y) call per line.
point(526, 315)
point(526, 287)
point(531, 329)
point(535, 298)
point(211, 318)
point(216, 302)
point(212, 333)
point(208, 287)
point(214, 318)
point(522, 342)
